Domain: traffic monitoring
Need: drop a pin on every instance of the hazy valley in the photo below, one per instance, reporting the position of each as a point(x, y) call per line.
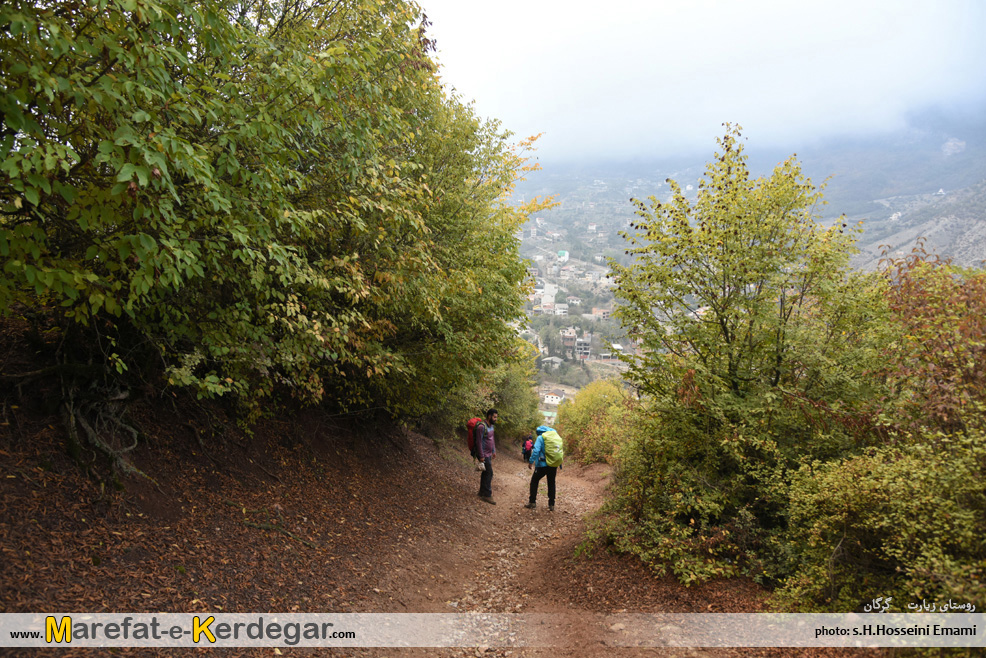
point(924, 181)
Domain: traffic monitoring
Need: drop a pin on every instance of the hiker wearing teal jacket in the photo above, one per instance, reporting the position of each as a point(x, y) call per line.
point(538, 461)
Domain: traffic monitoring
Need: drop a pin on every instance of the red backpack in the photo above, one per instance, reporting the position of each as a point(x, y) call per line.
point(471, 434)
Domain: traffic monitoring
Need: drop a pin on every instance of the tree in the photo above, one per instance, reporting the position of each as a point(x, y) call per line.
point(937, 364)
point(729, 286)
point(515, 397)
point(549, 334)
point(510, 387)
point(272, 200)
point(755, 336)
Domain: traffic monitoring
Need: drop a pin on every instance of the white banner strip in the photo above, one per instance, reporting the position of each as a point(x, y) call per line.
point(799, 630)
point(489, 630)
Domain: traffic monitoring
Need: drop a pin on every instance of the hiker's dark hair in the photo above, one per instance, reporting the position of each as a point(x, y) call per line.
point(491, 412)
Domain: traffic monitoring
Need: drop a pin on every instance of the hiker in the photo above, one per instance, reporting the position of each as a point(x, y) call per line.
point(528, 447)
point(547, 449)
point(485, 452)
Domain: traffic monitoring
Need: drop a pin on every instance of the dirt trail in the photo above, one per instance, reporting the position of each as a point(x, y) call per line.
point(527, 554)
point(505, 558)
point(523, 551)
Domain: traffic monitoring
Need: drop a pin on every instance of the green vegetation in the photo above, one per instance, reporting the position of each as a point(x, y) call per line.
point(799, 423)
point(591, 297)
point(908, 516)
point(270, 201)
point(595, 421)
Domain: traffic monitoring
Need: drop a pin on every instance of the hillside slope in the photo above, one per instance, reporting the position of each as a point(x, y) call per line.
point(309, 514)
point(952, 224)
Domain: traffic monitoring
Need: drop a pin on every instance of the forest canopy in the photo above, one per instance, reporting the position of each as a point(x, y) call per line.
point(257, 199)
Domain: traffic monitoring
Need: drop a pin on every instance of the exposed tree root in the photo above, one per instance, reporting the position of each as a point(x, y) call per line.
point(75, 419)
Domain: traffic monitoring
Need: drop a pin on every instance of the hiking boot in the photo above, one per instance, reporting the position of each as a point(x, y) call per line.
point(531, 505)
point(551, 508)
point(488, 499)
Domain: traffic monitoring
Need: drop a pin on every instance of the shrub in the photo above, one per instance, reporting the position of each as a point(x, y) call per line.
point(594, 422)
point(937, 364)
point(907, 522)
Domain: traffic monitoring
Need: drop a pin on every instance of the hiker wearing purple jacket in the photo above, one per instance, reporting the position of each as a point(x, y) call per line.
point(485, 452)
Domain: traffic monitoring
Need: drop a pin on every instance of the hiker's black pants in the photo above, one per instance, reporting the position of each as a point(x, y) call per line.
point(486, 479)
point(540, 472)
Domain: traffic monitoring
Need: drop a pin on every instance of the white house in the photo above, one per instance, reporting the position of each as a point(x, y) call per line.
point(554, 397)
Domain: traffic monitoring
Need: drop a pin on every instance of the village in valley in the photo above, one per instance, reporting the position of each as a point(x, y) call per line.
point(569, 309)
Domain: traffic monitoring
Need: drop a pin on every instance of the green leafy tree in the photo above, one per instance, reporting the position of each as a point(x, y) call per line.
point(160, 160)
point(457, 313)
point(275, 200)
point(574, 375)
point(550, 336)
point(754, 335)
point(729, 286)
point(510, 387)
point(515, 397)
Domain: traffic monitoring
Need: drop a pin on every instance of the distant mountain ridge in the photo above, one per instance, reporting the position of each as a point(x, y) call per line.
point(889, 181)
point(935, 151)
point(951, 224)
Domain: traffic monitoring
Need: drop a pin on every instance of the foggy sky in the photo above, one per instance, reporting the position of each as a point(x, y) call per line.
point(621, 79)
